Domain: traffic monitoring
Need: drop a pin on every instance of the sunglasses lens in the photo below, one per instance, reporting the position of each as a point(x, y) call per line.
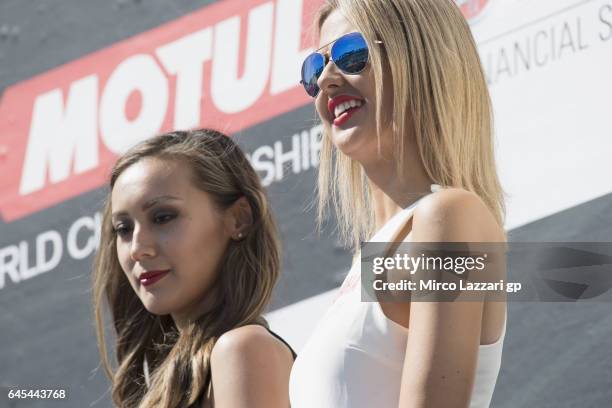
point(311, 70)
point(350, 53)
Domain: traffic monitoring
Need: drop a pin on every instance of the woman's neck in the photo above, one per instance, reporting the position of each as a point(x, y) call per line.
point(392, 193)
point(189, 314)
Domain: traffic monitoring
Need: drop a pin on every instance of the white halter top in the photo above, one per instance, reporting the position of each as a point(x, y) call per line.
point(355, 356)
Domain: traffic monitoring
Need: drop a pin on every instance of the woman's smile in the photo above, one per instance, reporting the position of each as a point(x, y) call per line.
point(342, 108)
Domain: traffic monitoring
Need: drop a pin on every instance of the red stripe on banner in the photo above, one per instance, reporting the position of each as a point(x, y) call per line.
point(229, 65)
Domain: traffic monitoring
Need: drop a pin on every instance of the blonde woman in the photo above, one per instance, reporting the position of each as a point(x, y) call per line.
point(188, 259)
point(408, 155)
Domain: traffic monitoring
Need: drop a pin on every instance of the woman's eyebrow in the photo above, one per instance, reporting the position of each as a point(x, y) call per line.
point(150, 203)
point(156, 200)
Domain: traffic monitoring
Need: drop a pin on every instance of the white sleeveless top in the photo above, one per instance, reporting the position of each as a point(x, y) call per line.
point(355, 356)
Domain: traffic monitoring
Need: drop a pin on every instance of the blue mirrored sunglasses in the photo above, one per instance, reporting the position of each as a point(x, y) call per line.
point(349, 53)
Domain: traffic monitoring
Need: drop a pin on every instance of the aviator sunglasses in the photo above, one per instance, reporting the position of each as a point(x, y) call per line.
point(349, 53)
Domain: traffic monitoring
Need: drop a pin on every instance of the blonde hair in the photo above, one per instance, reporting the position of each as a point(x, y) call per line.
point(440, 96)
point(179, 363)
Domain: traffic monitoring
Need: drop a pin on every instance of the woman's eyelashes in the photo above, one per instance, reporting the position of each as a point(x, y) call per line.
point(163, 217)
point(123, 228)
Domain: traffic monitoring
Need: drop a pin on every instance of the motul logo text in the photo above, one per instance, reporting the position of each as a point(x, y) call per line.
point(228, 66)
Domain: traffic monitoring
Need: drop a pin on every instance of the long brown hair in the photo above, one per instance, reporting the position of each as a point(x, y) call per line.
point(440, 96)
point(179, 362)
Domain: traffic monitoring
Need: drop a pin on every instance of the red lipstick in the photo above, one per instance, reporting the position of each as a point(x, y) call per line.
point(340, 120)
point(346, 115)
point(150, 277)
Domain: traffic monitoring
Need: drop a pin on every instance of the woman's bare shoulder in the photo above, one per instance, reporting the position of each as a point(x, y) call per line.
point(455, 214)
point(250, 367)
point(247, 340)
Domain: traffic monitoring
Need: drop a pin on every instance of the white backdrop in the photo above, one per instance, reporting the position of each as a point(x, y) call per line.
point(549, 63)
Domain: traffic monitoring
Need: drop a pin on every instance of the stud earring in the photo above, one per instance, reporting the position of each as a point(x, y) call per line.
point(240, 235)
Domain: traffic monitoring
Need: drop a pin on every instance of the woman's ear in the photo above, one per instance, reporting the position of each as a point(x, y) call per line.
point(239, 219)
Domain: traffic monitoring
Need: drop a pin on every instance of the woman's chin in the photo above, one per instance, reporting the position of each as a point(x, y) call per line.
point(351, 143)
point(155, 306)
point(156, 309)
point(345, 140)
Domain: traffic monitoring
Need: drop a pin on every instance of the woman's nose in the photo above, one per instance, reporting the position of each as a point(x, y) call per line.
point(330, 78)
point(143, 245)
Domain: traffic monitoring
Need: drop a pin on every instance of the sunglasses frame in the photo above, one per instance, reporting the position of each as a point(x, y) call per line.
point(327, 57)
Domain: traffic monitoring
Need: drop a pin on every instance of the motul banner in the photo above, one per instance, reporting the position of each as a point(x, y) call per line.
point(229, 66)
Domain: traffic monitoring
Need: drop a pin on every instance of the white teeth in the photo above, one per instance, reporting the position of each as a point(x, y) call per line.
point(341, 108)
